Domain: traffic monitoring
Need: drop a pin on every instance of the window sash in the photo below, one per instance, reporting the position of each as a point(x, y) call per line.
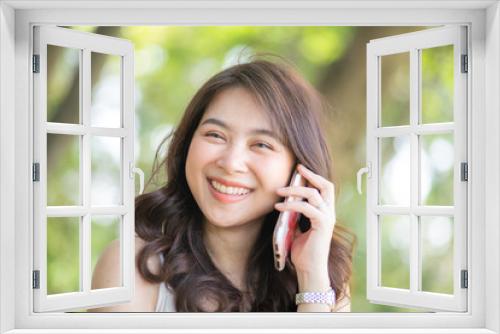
point(413, 43)
point(86, 43)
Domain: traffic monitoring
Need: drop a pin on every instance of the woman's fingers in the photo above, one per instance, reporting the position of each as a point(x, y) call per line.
point(315, 215)
point(326, 188)
point(319, 193)
point(311, 194)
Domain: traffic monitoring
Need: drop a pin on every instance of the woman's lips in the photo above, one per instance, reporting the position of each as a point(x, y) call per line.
point(226, 198)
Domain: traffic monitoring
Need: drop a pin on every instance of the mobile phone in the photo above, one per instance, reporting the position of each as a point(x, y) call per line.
point(286, 226)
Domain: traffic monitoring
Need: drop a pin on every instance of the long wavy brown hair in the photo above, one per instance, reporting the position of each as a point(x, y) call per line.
point(170, 221)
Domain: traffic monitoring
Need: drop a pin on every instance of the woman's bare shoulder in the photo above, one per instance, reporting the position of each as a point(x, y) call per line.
point(107, 273)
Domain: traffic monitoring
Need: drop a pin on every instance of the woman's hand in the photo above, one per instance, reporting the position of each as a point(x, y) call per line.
point(310, 250)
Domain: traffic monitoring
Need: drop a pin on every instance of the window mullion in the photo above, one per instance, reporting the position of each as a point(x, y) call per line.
point(85, 236)
point(414, 170)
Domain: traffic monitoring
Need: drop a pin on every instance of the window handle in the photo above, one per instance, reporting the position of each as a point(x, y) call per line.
point(137, 170)
point(361, 171)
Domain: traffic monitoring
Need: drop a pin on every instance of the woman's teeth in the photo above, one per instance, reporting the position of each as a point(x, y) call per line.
point(229, 190)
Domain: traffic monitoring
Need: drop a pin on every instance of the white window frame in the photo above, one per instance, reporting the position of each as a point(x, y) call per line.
point(412, 44)
point(84, 132)
point(16, 19)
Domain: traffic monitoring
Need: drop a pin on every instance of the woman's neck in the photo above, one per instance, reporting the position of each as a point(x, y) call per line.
point(229, 248)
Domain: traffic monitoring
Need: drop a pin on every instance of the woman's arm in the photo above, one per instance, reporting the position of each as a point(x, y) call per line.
point(107, 274)
point(313, 283)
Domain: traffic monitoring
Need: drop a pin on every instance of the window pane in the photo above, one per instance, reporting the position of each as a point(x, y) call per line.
point(395, 170)
point(105, 229)
point(63, 84)
point(395, 251)
point(106, 90)
point(106, 170)
point(437, 157)
point(437, 84)
point(63, 170)
point(63, 254)
point(437, 254)
point(395, 91)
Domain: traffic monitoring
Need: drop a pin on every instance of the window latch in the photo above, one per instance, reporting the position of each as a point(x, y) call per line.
point(365, 170)
point(136, 170)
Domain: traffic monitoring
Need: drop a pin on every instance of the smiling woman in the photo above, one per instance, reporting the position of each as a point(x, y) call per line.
point(205, 237)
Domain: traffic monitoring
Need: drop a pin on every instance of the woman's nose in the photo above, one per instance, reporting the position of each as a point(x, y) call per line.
point(233, 160)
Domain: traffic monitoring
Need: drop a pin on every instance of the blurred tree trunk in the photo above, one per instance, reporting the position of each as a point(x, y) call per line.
point(57, 146)
point(344, 84)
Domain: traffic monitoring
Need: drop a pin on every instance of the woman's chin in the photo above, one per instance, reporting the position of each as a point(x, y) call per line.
point(228, 222)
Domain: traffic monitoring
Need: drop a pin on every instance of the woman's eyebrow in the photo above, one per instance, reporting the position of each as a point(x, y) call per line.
point(266, 132)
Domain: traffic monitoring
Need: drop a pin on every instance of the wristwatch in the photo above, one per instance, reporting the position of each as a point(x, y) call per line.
point(327, 297)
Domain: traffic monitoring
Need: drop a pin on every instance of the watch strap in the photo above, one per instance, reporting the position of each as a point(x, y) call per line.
point(327, 297)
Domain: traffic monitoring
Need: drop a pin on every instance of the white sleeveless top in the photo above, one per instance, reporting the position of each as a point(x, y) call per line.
point(166, 297)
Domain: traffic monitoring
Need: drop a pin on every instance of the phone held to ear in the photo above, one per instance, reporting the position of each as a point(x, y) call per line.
point(286, 226)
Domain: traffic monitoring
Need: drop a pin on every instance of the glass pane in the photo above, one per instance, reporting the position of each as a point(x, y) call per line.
point(395, 170)
point(63, 84)
point(395, 91)
point(437, 84)
point(105, 229)
point(106, 90)
point(395, 251)
point(63, 170)
point(63, 254)
point(436, 156)
point(106, 170)
point(437, 254)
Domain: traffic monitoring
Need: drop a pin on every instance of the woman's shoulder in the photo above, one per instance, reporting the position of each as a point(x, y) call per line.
point(107, 273)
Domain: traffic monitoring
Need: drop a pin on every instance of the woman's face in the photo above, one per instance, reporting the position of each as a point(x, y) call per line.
point(235, 161)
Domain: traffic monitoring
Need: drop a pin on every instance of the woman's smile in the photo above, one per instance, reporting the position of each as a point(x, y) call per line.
point(227, 194)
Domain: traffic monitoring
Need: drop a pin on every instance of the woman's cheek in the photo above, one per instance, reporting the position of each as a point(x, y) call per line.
point(202, 149)
point(275, 176)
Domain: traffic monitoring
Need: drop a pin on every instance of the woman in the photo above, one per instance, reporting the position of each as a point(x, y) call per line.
point(204, 239)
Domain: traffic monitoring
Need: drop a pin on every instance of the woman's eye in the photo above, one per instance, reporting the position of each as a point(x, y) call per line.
point(213, 134)
point(264, 145)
